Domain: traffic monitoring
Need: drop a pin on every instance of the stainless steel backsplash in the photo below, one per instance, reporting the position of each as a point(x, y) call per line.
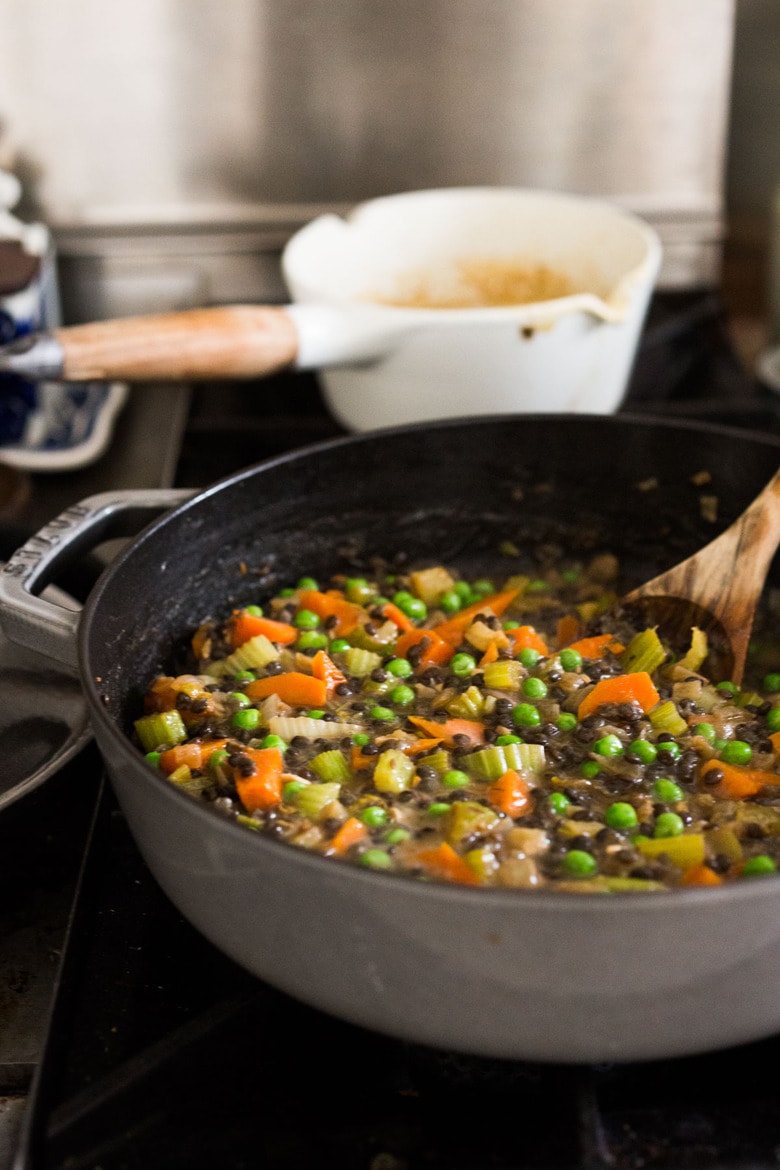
point(173, 145)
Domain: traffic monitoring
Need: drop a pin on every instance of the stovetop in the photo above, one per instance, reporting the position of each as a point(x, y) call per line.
point(159, 1051)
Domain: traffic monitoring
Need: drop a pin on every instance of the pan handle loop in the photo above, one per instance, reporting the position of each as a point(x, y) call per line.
point(32, 621)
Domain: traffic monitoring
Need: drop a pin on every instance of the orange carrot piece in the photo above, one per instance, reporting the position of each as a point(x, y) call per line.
point(332, 604)
point(324, 668)
point(511, 794)
point(345, 837)
point(396, 615)
point(444, 862)
point(594, 647)
point(262, 790)
point(452, 630)
point(195, 754)
point(622, 688)
point(420, 746)
point(435, 651)
point(243, 626)
point(358, 761)
point(526, 638)
point(293, 687)
point(774, 739)
point(490, 655)
point(201, 639)
point(567, 630)
point(737, 782)
point(701, 875)
point(447, 731)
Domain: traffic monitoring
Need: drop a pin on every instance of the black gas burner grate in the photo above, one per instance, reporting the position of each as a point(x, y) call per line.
point(163, 1053)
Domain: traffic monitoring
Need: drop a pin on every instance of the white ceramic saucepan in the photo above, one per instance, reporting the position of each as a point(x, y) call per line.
point(424, 305)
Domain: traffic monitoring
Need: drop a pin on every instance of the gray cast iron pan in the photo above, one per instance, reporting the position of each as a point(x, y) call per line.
point(522, 974)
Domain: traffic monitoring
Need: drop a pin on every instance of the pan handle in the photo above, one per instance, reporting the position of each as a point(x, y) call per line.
point(31, 620)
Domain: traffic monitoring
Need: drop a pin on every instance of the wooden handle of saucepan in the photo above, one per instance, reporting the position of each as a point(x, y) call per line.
point(236, 341)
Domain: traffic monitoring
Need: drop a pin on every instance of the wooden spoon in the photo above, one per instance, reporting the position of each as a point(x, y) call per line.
point(718, 588)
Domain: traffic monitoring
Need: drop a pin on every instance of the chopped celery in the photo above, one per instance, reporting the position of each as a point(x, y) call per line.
point(685, 851)
point(161, 729)
point(360, 661)
point(288, 726)
point(393, 771)
point(643, 652)
point(312, 799)
point(466, 817)
point(725, 841)
point(438, 760)
point(469, 704)
point(491, 762)
point(331, 765)
point(483, 861)
point(380, 640)
point(505, 674)
point(666, 717)
point(696, 652)
point(256, 653)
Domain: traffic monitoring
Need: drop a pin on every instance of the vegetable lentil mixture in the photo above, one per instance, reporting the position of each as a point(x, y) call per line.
point(477, 732)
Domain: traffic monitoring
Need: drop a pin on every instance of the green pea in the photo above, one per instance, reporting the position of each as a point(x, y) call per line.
point(396, 836)
point(291, 788)
point(414, 607)
point(246, 720)
point(773, 719)
point(529, 658)
point(437, 808)
point(513, 625)
point(668, 824)
point(245, 676)
point(218, 758)
point(382, 714)
point(374, 816)
point(275, 741)
point(482, 587)
point(707, 730)
point(536, 586)
point(667, 791)
point(559, 803)
point(358, 589)
point(566, 721)
point(462, 665)
point(153, 758)
point(503, 740)
point(339, 645)
point(360, 739)
point(454, 779)
point(288, 592)
point(719, 744)
point(728, 688)
point(526, 715)
point(306, 620)
point(375, 859)
point(644, 751)
point(463, 590)
point(571, 660)
point(450, 602)
point(609, 746)
point(399, 667)
point(771, 683)
point(621, 815)
point(590, 769)
point(534, 688)
point(316, 714)
point(756, 866)
point(254, 610)
point(736, 751)
point(308, 583)
point(579, 864)
point(311, 640)
point(239, 700)
point(402, 695)
point(669, 748)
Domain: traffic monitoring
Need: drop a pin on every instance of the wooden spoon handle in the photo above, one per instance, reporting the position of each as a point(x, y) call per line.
point(236, 341)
